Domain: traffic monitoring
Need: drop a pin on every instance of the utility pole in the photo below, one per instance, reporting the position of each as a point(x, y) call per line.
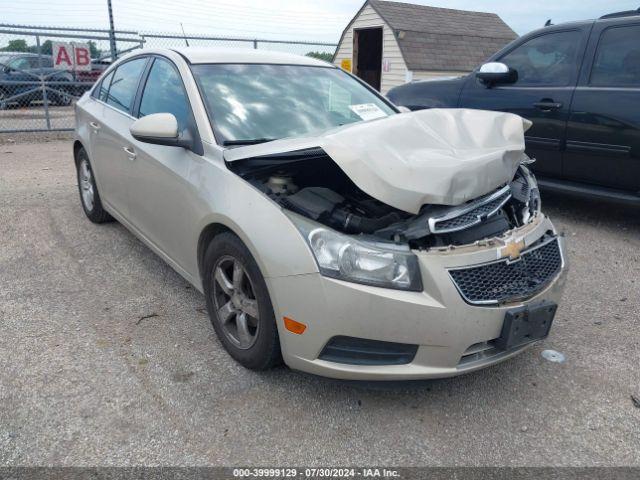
point(112, 34)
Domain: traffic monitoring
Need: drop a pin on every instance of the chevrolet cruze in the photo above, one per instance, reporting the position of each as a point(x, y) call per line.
point(325, 227)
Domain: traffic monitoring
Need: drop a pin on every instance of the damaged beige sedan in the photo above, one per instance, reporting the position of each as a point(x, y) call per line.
point(326, 228)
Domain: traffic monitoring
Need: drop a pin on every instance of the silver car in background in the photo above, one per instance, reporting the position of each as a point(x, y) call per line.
point(326, 229)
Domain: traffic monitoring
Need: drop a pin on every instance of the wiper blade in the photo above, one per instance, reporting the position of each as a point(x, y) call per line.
point(254, 141)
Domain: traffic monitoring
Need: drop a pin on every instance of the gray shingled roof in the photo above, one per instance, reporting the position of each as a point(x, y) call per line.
point(443, 38)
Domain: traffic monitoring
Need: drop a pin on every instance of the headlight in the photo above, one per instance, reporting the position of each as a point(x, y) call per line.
point(529, 195)
point(345, 258)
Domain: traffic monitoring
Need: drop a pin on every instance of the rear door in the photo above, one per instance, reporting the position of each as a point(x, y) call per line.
point(603, 134)
point(111, 138)
point(547, 63)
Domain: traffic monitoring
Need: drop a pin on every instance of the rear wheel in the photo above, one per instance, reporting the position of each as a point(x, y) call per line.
point(89, 196)
point(239, 304)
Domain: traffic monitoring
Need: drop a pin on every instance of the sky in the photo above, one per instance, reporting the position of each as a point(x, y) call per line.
point(320, 20)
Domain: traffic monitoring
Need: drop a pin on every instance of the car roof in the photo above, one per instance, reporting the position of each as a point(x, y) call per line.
point(19, 54)
point(196, 55)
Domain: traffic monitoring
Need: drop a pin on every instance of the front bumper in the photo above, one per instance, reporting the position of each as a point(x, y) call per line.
point(449, 332)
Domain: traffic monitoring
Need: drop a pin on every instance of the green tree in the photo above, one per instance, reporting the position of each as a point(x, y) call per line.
point(17, 45)
point(95, 51)
point(327, 57)
point(45, 47)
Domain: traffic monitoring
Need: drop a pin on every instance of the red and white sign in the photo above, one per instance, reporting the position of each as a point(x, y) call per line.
point(71, 56)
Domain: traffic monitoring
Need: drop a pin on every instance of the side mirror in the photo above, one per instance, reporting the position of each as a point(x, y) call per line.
point(496, 73)
point(6, 69)
point(160, 129)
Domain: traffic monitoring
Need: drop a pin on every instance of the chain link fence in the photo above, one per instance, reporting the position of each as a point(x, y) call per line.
point(35, 96)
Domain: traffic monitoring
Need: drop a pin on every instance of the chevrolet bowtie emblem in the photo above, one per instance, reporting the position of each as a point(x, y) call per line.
point(512, 250)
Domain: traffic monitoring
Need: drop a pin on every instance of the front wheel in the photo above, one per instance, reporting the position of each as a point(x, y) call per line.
point(239, 305)
point(63, 98)
point(89, 196)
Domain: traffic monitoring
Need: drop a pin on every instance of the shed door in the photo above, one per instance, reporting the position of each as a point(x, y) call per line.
point(367, 55)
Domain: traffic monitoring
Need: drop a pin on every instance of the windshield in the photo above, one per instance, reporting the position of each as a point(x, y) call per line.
point(258, 103)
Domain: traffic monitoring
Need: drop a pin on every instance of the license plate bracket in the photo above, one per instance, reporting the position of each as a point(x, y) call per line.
point(526, 324)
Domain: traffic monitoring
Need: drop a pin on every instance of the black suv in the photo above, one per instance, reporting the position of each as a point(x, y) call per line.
point(580, 85)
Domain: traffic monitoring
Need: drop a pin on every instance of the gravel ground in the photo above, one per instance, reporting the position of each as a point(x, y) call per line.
point(85, 379)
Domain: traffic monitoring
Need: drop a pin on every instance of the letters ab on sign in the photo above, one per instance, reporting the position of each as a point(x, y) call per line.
point(71, 56)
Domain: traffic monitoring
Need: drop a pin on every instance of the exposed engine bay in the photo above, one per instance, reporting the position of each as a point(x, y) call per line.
point(308, 182)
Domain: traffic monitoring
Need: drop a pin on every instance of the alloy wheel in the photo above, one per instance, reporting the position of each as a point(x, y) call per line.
point(86, 185)
point(235, 302)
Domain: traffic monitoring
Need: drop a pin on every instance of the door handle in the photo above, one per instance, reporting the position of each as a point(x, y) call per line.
point(547, 105)
point(130, 153)
point(95, 126)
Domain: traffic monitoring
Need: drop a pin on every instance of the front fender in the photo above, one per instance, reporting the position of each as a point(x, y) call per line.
point(228, 200)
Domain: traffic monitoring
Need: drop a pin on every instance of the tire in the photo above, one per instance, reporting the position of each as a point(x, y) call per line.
point(89, 196)
point(256, 346)
point(63, 98)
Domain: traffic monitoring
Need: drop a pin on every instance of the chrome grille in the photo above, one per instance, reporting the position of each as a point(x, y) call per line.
point(506, 280)
point(466, 216)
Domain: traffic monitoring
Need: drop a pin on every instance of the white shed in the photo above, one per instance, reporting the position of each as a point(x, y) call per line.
point(391, 43)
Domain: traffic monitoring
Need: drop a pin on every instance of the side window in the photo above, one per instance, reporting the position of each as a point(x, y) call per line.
point(124, 84)
point(21, 63)
point(47, 62)
point(164, 93)
point(103, 88)
point(547, 60)
point(34, 62)
point(617, 62)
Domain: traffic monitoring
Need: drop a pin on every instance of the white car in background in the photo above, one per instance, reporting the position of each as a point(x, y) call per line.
point(324, 227)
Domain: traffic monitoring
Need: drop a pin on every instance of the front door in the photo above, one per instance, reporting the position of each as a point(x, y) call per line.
point(158, 187)
point(603, 134)
point(547, 67)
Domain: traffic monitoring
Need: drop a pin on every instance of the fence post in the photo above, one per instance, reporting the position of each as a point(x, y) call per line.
point(255, 44)
point(45, 99)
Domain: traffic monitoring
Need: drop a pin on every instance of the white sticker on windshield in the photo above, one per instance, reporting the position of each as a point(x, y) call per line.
point(368, 111)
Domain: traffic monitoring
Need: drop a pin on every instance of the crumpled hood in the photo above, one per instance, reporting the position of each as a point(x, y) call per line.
point(436, 156)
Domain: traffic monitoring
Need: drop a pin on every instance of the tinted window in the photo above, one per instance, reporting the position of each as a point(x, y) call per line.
point(618, 58)
point(34, 62)
point(548, 60)
point(47, 62)
point(21, 63)
point(164, 93)
point(248, 102)
point(102, 91)
point(124, 84)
